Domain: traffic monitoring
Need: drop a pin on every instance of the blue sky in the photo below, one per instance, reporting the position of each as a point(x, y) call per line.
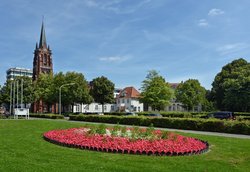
point(124, 39)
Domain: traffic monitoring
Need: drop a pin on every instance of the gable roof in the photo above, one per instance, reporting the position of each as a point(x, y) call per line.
point(174, 85)
point(129, 92)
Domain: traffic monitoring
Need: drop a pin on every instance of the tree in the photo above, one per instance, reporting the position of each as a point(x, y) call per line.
point(78, 92)
point(25, 82)
point(102, 90)
point(44, 88)
point(231, 86)
point(155, 91)
point(191, 93)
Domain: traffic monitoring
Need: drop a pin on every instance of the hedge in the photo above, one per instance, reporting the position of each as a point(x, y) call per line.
point(214, 125)
point(50, 116)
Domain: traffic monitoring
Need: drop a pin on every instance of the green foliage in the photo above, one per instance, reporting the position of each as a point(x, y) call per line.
point(239, 127)
point(102, 90)
point(231, 86)
point(155, 91)
point(50, 116)
point(28, 90)
point(191, 93)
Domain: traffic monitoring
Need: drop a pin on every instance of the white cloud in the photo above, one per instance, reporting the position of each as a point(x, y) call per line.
point(202, 23)
point(215, 12)
point(232, 48)
point(114, 58)
point(116, 6)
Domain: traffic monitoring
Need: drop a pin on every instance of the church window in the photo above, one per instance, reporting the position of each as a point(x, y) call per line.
point(45, 59)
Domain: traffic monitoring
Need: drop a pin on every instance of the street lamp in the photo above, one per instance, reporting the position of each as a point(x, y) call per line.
point(60, 88)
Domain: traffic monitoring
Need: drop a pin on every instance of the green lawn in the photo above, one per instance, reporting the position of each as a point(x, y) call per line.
point(22, 148)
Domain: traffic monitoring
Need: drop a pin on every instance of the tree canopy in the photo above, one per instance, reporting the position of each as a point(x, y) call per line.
point(155, 91)
point(191, 93)
point(102, 90)
point(21, 83)
point(231, 86)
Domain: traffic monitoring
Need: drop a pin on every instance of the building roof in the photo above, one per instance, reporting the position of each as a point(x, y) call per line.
point(174, 85)
point(42, 42)
point(129, 92)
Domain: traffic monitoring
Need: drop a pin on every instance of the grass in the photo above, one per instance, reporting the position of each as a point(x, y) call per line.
point(22, 148)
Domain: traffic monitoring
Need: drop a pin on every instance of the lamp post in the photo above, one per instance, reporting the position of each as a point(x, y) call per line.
point(60, 89)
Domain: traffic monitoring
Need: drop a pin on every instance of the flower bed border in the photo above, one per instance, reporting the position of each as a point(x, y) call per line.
point(110, 150)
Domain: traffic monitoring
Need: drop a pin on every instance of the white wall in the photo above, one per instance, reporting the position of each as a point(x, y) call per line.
point(129, 104)
point(93, 108)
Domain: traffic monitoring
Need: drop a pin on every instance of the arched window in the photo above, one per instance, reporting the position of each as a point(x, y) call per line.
point(45, 59)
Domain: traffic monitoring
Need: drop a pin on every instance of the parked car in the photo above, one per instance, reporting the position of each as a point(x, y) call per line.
point(221, 115)
point(130, 114)
point(154, 115)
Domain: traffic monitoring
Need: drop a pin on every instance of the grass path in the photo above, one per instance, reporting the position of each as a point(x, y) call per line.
point(22, 148)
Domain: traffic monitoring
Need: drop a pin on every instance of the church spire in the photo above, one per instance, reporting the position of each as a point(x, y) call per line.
point(42, 42)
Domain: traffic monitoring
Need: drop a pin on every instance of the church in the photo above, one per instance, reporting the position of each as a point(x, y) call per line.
point(42, 63)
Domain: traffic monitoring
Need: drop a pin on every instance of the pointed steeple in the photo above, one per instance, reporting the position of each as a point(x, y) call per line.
point(42, 42)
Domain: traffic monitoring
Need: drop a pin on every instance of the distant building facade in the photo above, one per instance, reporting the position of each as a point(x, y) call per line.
point(127, 100)
point(12, 73)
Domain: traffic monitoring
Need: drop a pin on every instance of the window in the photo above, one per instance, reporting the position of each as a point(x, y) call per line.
point(96, 107)
point(139, 109)
point(123, 101)
point(45, 59)
point(128, 101)
point(105, 107)
point(112, 108)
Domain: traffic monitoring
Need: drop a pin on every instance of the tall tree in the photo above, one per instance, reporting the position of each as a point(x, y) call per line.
point(155, 91)
point(102, 90)
point(191, 93)
point(231, 86)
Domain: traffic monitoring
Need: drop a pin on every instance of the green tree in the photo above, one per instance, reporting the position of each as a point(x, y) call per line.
point(27, 96)
point(155, 91)
point(44, 89)
point(191, 93)
point(102, 90)
point(78, 92)
point(231, 86)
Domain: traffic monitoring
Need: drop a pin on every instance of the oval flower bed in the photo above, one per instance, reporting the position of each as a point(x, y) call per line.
point(127, 140)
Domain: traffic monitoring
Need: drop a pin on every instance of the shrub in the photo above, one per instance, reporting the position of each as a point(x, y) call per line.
point(51, 116)
point(215, 125)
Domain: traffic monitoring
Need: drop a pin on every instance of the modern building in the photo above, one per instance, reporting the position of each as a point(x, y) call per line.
point(12, 73)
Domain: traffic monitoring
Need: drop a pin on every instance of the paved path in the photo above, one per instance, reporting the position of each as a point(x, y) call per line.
point(170, 129)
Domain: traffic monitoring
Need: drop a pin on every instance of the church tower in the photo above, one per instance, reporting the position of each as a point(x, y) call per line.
point(42, 62)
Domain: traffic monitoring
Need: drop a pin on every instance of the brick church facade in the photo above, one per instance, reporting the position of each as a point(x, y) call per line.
point(42, 63)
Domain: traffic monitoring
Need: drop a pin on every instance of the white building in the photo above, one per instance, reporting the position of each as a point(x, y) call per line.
point(17, 71)
point(94, 108)
point(128, 100)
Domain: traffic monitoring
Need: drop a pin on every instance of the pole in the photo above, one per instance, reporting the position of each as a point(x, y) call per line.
point(22, 93)
point(14, 96)
point(60, 99)
point(10, 97)
point(17, 92)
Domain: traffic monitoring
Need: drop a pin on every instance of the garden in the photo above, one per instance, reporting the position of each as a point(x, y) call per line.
point(23, 148)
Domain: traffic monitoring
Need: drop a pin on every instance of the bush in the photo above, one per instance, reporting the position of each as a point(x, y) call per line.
point(50, 116)
point(215, 125)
